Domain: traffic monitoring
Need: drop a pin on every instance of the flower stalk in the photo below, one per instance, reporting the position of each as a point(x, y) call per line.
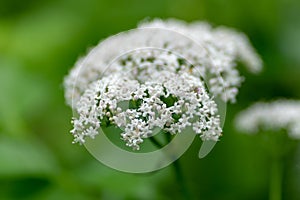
point(275, 190)
point(177, 170)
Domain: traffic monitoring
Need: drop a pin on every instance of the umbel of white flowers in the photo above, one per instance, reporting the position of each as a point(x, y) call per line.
point(273, 116)
point(161, 87)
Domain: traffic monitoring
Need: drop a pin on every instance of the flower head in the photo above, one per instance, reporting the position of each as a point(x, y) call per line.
point(153, 78)
point(280, 114)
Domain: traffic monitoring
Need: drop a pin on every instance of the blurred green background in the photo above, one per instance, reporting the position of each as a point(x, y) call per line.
point(41, 40)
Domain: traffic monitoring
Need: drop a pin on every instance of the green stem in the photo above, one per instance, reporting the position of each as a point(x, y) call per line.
point(276, 180)
point(180, 180)
point(177, 169)
point(179, 175)
point(156, 142)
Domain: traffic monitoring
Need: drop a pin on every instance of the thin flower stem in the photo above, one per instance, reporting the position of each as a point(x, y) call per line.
point(179, 175)
point(180, 179)
point(275, 180)
point(156, 142)
point(177, 169)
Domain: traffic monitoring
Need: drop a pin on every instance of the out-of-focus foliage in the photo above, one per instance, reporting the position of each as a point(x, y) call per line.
point(40, 41)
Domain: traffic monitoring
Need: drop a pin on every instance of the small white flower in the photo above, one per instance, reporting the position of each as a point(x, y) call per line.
point(273, 116)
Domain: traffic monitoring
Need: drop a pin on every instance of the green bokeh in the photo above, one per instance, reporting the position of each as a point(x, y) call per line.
point(41, 40)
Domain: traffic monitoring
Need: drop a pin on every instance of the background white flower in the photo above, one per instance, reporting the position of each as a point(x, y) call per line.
point(273, 116)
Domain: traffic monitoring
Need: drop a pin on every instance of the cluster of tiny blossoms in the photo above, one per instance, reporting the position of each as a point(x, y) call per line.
point(152, 78)
point(274, 116)
point(212, 52)
point(167, 101)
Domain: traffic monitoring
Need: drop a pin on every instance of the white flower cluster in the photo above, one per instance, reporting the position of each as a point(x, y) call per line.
point(280, 114)
point(213, 53)
point(168, 101)
point(152, 78)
